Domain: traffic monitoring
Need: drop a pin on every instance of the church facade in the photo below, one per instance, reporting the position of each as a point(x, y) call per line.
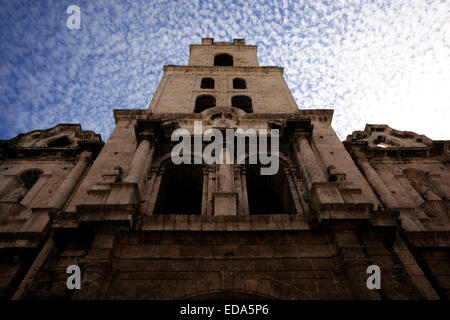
point(140, 226)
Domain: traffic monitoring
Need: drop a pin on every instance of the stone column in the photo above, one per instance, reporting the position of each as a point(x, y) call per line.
point(301, 189)
point(245, 206)
point(70, 182)
point(148, 185)
point(225, 175)
point(309, 162)
point(205, 192)
point(212, 188)
point(225, 200)
point(383, 192)
point(141, 158)
point(151, 202)
point(294, 192)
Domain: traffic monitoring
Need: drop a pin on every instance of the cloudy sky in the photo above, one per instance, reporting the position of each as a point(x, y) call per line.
point(371, 61)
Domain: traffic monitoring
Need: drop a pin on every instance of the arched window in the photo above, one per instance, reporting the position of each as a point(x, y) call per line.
point(239, 83)
point(207, 83)
point(60, 142)
point(204, 102)
point(242, 102)
point(20, 186)
point(268, 194)
point(223, 60)
point(181, 190)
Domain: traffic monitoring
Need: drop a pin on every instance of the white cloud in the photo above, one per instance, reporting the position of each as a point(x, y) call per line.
point(373, 62)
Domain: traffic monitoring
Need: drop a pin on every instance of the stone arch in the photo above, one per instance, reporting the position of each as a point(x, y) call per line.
point(228, 295)
point(283, 160)
point(239, 83)
point(207, 83)
point(183, 182)
point(162, 161)
point(203, 102)
point(242, 102)
point(254, 288)
point(268, 194)
point(236, 113)
point(223, 60)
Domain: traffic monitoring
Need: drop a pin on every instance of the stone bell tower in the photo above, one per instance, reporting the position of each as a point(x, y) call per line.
point(225, 77)
point(223, 74)
point(141, 226)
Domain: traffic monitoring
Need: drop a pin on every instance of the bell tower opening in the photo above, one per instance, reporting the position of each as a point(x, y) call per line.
point(204, 102)
point(239, 83)
point(223, 60)
point(207, 83)
point(242, 102)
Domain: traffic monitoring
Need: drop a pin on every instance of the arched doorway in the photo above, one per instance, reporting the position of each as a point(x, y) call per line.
point(180, 191)
point(268, 194)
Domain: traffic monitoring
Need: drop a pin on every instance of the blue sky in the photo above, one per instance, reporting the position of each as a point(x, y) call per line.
point(371, 61)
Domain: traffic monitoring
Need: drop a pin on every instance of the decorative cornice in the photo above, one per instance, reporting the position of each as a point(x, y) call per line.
point(33, 144)
point(265, 69)
point(322, 115)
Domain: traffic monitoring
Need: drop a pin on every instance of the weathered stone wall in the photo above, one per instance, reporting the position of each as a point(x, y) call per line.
point(54, 172)
point(381, 198)
point(295, 264)
point(243, 55)
point(39, 172)
point(116, 153)
point(180, 86)
point(410, 174)
point(436, 262)
point(178, 265)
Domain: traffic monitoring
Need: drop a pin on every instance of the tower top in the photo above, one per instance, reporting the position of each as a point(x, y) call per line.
point(223, 74)
point(206, 54)
point(210, 41)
